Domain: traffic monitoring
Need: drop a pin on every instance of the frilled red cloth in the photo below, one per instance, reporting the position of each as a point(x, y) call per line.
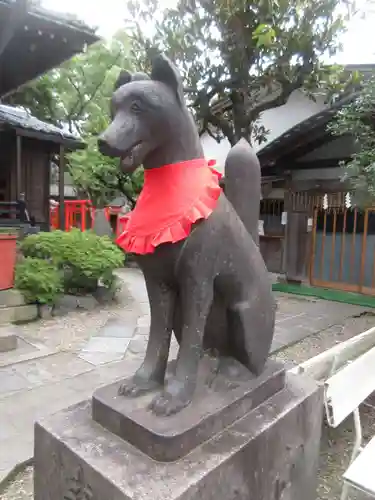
point(173, 198)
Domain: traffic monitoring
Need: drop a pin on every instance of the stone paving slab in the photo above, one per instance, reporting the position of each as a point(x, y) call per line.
point(35, 373)
point(26, 348)
point(138, 344)
point(51, 369)
point(12, 382)
point(19, 410)
point(106, 344)
point(97, 358)
point(296, 317)
point(19, 356)
point(119, 328)
point(21, 346)
point(102, 350)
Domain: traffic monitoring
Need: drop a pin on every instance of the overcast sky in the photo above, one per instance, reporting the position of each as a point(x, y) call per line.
point(108, 15)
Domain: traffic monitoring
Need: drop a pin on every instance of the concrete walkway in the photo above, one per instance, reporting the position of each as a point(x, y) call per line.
point(59, 364)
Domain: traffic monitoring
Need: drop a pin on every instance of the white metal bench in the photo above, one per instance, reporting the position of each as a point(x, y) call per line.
point(348, 374)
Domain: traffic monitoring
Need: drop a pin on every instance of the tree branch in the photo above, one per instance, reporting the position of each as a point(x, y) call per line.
point(287, 88)
point(207, 129)
point(216, 120)
point(216, 88)
point(80, 110)
point(224, 125)
point(76, 88)
point(125, 191)
point(277, 101)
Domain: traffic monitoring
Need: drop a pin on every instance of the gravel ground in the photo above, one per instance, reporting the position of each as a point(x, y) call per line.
point(71, 331)
point(336, 448)
point(319, 342)
point(336, 443)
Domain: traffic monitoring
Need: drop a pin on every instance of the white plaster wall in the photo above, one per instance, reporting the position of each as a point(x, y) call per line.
point(276, 120)
point(68, 185)
point(297, 109)
point(215, 150)
point(68, 190)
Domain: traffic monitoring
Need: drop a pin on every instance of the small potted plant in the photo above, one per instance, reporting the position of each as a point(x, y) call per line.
point(8, 252)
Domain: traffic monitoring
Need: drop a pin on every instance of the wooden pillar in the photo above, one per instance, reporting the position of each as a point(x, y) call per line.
point(287, 210)
point(18, 166)
point(61, 188)
point(296, 235)
point(295, 231)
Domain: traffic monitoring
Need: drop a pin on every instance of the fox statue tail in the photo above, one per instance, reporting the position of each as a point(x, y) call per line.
point(243, 185)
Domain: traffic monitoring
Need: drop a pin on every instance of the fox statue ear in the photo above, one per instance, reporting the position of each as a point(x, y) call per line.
point(127, 77)
point(139, 75)
point(163, 70)
point(123, 78)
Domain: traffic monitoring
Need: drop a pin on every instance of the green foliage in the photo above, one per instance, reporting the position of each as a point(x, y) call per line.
point(9, 230)
point(240, 58)
point(83, 257)
point(357, 120)
point(38, 97)
point(77, 95)
point(39, 280)
point(101, 178)
point(43, 245)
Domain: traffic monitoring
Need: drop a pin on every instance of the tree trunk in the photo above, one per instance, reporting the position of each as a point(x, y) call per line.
point(242, 128)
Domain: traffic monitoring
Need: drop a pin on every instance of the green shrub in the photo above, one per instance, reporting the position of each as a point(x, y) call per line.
point(9, 230)
point(42, 245)
point(83, 257)
point(38, 280)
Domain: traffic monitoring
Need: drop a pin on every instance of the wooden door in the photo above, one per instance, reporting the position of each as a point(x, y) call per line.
point(296, 246)
point(343, 249)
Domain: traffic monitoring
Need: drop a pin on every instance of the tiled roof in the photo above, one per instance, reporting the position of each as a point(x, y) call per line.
point(68, 20)
point(20, 118)
point(289, 137)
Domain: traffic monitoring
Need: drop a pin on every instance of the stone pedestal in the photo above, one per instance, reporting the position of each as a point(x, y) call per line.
point(269, 453)
point(219, 401)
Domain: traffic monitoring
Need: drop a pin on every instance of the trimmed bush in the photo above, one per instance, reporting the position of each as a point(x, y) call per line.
point(38, 280)
point(83, 258)
point(42, 245)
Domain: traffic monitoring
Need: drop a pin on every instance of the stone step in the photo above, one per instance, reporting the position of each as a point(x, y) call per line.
point(8, 339)
point(11, 298)
point(18, 314)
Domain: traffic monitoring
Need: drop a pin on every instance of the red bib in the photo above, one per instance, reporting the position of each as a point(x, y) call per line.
point(173, 198)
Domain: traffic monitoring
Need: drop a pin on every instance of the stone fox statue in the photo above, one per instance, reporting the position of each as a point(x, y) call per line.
point(197, 247)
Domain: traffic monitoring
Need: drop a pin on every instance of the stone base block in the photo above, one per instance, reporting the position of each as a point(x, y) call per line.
point(18, 314)
point(11, 298)
point(218, 402)
point(269, 454)
point(8, 340)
